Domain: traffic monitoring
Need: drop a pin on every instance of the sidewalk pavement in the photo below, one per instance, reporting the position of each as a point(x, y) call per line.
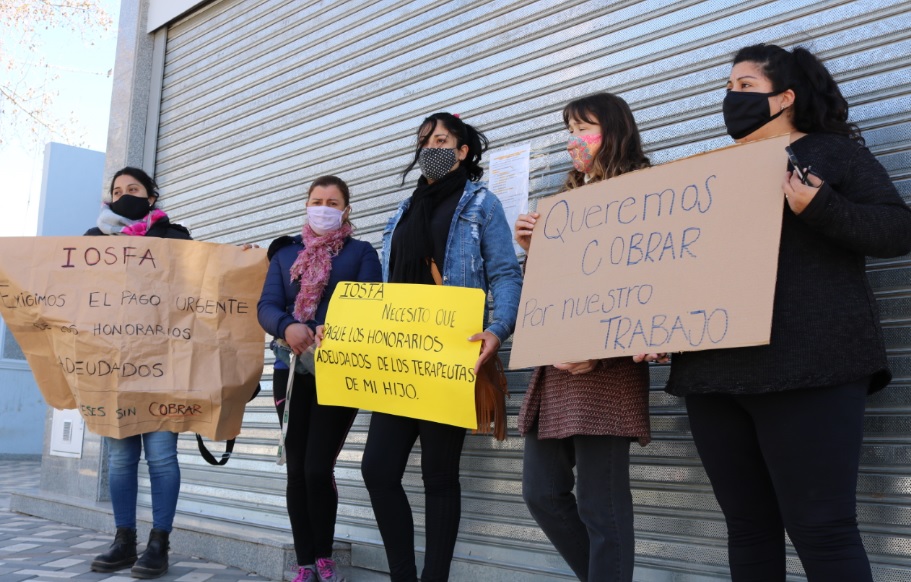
point(46, 551)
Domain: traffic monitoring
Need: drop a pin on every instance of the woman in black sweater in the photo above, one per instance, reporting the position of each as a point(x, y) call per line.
point(779, 427)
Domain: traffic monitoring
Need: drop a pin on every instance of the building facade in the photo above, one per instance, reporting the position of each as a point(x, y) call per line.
point(236, 105)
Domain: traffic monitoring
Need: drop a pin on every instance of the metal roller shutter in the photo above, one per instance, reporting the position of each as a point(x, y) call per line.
point(260, 97)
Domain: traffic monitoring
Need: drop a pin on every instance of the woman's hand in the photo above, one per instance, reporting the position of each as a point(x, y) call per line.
point(489, 346)
point(248, 246)
point(299, 337)
point(524, 225)
point(574, 368)
point(658, 358)
point(798, 194)
point(318, 336)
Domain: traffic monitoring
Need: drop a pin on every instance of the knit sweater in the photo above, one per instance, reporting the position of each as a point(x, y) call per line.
point(825, 325)
point(612, 400)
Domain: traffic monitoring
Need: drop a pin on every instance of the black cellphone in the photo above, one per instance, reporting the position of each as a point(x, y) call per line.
point(797, 168)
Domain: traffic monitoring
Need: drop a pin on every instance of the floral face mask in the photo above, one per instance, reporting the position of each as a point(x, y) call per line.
point(580, 150)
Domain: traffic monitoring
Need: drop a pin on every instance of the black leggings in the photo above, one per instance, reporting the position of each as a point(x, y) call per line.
point(315, 437)
point(786, 461)
point(389, 443)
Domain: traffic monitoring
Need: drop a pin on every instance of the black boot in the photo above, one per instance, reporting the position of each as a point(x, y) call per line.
point(154, 560)
point(121, 554)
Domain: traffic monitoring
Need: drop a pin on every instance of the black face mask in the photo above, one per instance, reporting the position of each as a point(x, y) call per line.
point(132, 207)
point(746, 112)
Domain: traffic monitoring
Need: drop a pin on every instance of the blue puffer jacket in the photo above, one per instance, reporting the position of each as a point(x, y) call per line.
point(357, 261)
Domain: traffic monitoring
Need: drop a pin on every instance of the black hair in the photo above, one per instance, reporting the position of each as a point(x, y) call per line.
point(147, 181)
point(465, 135)
point(621, 145)
point(819, 105)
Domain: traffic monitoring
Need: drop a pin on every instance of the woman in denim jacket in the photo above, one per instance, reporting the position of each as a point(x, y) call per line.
point(452, 220)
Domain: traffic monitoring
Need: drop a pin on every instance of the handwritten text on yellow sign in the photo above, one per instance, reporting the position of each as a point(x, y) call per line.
point(403, 350)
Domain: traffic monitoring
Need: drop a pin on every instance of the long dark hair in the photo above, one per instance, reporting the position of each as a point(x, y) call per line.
point(621, 146)
point(146, 180)
point(465, 135)
point(819, 105)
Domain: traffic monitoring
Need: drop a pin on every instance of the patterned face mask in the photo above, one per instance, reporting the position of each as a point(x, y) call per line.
point(436, 162)
point(580, 150)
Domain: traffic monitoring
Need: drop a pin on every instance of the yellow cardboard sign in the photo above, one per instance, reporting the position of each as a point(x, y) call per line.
point(402, 349)
point(140, 334)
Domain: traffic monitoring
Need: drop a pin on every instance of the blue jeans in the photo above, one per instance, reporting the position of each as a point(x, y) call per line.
point(164, 472)
point(593, 528)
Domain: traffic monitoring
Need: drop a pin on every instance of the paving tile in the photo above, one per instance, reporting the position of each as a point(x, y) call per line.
point(40, 550)
point(64, 563)
point(51, 533)
point(90, 545)
point(56, 575)
point(206, 565)
point(18, 548)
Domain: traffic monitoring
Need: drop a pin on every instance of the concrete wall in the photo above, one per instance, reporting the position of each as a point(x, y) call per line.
point(70, 190)
point(70, 195)
point(21, 410)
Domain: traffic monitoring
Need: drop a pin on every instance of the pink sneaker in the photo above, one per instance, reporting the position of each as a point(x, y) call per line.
point(325, 569)
point(306, 574)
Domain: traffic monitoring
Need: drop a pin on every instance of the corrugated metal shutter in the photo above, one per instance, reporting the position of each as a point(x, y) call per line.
point(260, 97)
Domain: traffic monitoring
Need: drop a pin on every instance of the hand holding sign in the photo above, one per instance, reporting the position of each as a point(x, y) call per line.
point(402, 349)
point(677, 257)
point(140, 334)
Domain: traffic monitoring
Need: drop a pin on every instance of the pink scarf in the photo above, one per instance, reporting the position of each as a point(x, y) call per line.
point(312, 268)
point(110, 222)
point(141, 228)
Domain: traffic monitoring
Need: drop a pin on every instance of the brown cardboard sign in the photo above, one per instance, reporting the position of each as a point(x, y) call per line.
point(679, 257)
point(139, 334)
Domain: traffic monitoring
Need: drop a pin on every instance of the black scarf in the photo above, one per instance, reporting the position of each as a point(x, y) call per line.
point(413, 240)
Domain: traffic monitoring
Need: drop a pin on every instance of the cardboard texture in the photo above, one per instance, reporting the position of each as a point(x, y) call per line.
point(678, 257)
point(139, 334)
point(402, 349)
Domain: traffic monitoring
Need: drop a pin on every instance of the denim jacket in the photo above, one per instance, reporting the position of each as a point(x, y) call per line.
point(479, 254)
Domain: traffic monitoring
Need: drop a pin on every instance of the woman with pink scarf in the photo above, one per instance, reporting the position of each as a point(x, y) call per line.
point(129, 209)
point(303, 273)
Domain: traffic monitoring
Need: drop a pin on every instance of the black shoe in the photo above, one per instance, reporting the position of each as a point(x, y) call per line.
point(121, 554)
point(154, 560)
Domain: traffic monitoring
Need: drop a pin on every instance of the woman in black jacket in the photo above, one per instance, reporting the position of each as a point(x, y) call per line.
point(779, 426)
point(131, 211)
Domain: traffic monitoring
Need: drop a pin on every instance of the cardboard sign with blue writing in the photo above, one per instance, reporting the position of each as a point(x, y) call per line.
point(678, 257)
point(139, 334)
point(402, 349)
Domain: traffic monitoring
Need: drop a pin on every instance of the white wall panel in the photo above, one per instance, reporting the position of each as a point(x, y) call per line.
point(259, 97)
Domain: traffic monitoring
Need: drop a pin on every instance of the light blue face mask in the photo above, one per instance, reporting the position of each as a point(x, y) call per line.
point(323, 219)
